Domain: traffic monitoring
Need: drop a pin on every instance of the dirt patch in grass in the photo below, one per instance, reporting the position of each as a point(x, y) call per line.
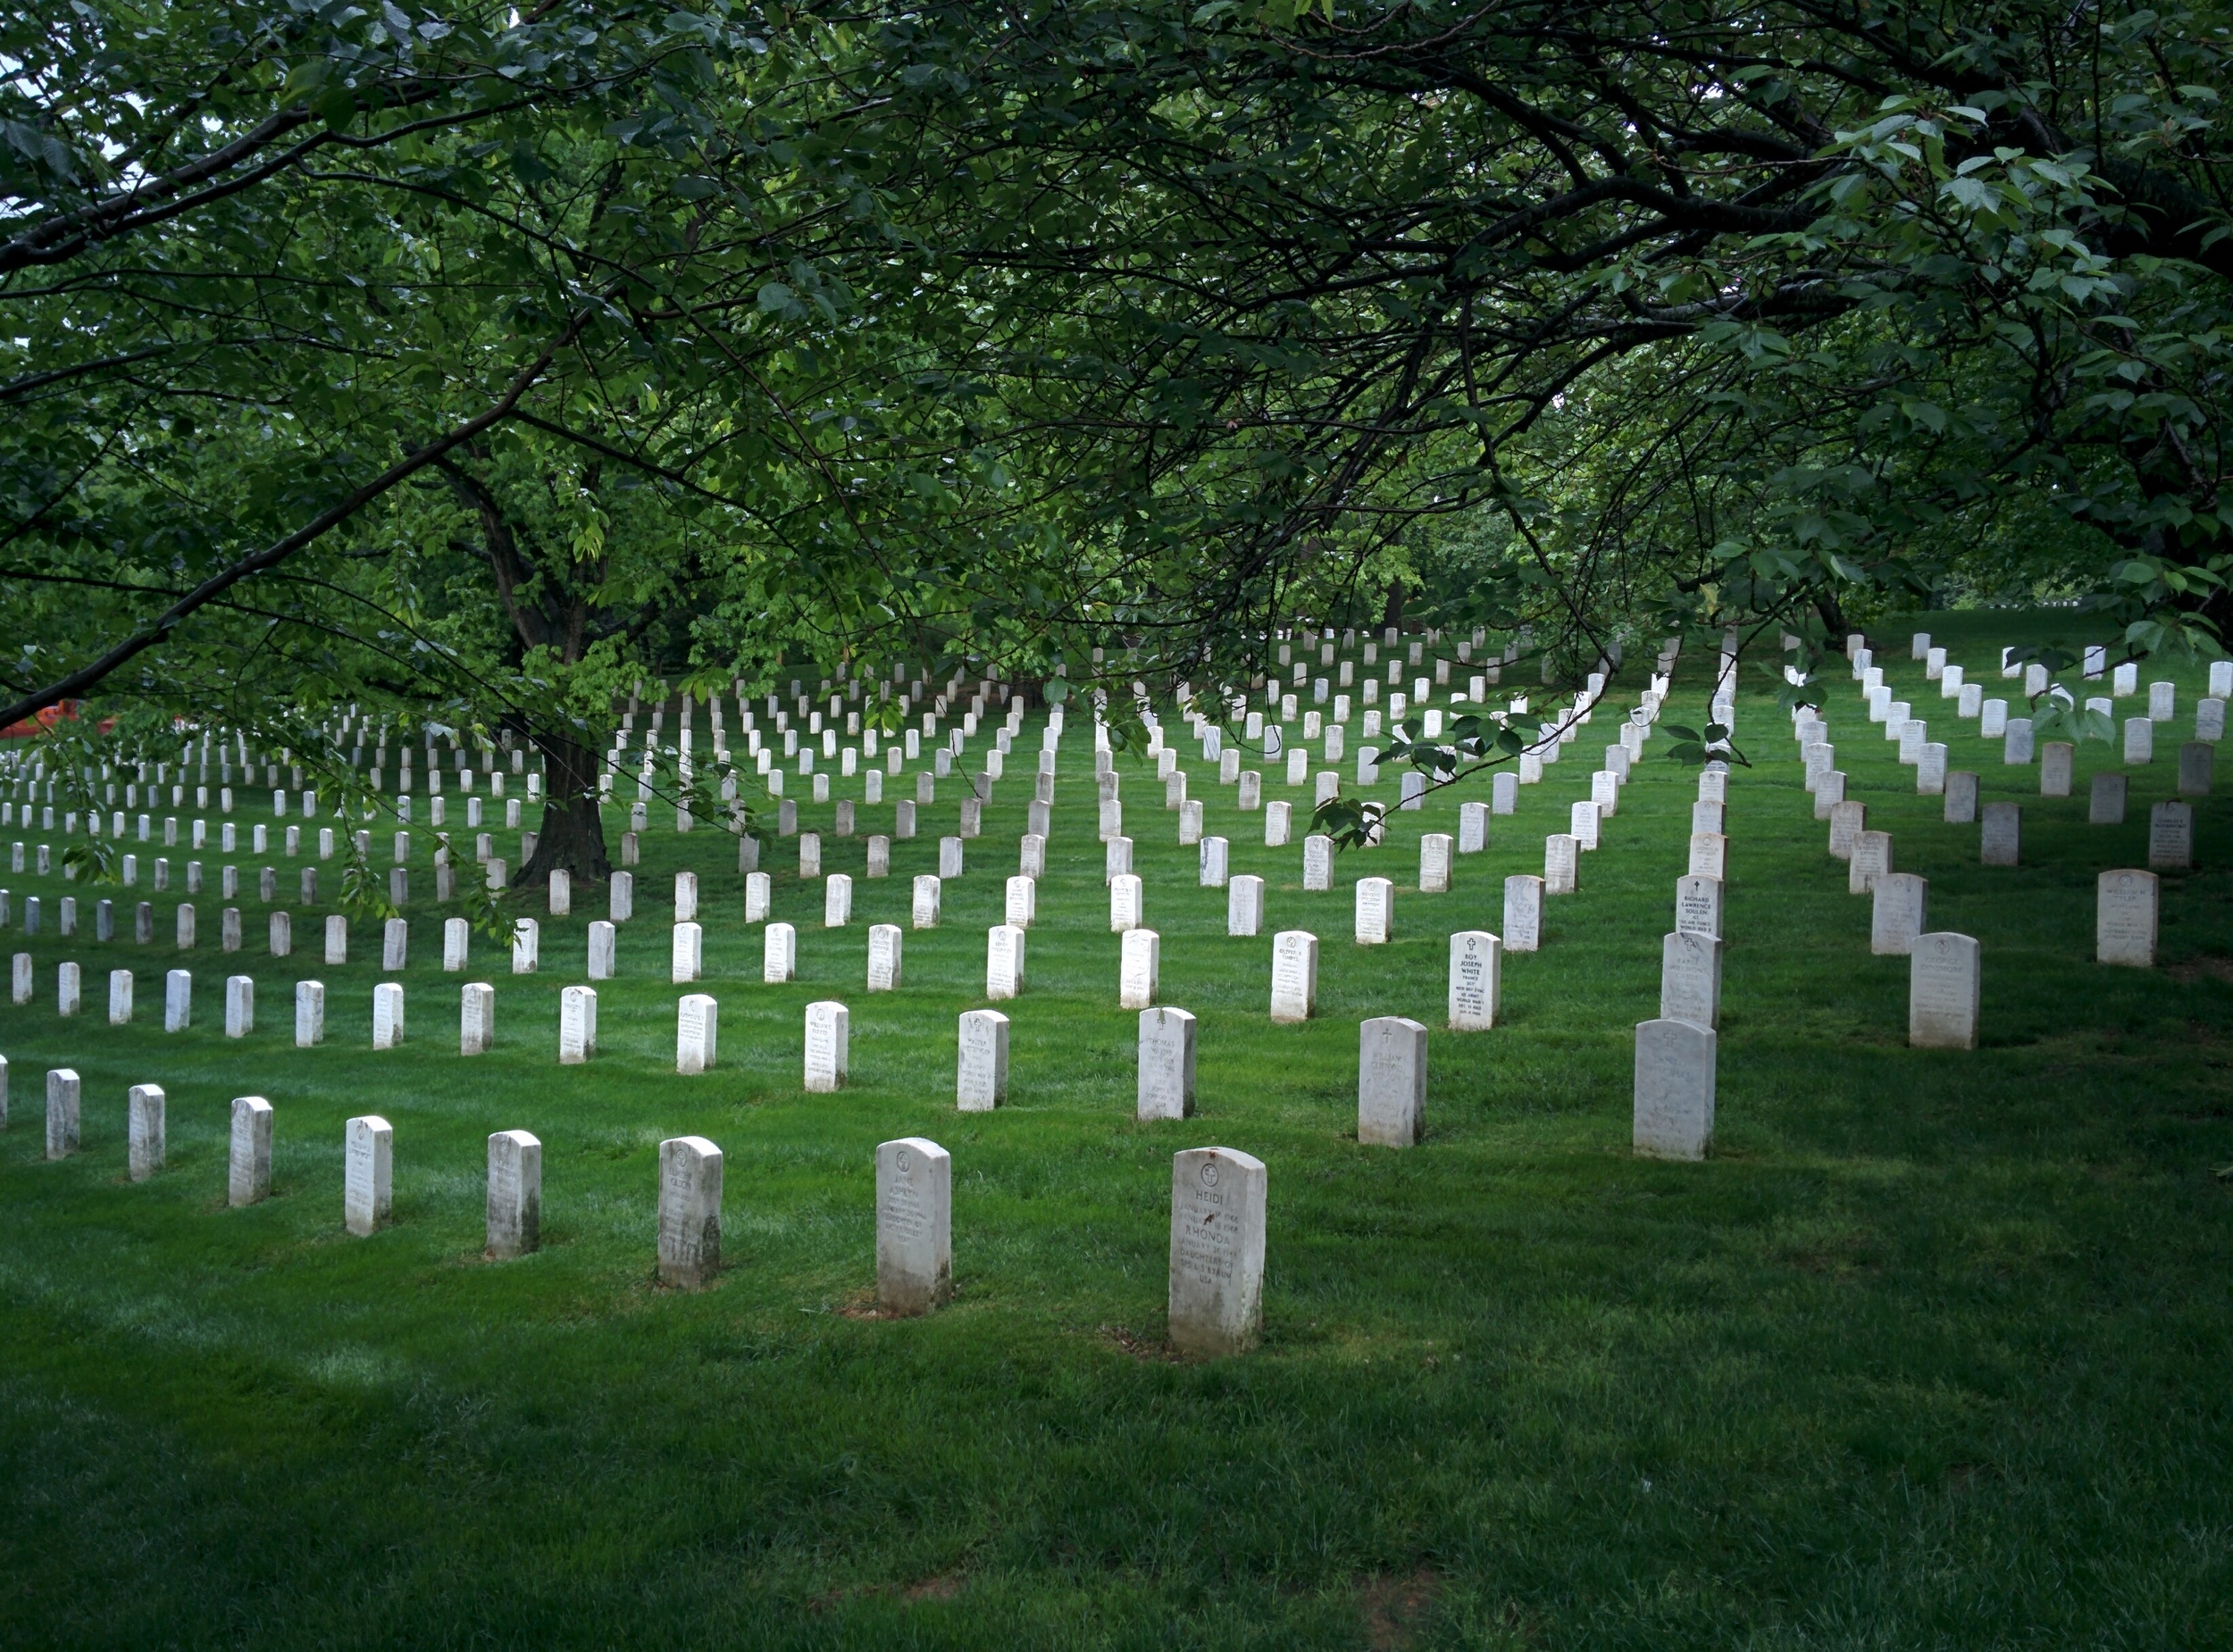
point(2210, 965)
point(1138, 1347)
point(1395, 1608)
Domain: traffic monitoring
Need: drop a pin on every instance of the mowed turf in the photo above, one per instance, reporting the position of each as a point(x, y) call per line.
point(1933, 1351)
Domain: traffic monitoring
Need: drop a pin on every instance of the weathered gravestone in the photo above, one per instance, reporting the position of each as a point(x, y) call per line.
point(145, 1123)
point(1140, 968)
point(239, 1005)
point(309, 1013)
point(515, 1194)
point(1690, 978)
point(1003, 962)
point(2125, 918)
point(1391, 1081)
point(1962, 798)
point(476, 1018)
point(577, 1025)
point(1376, 904)
point(1294, 975)
point(827, 1022)
point(915, 1207)
point(689, 1211)
point(779, 952)
point(64, 1094)
point(1899, 914)
point(2001, 840)
point(1674, 1090)
point(1561, 863)
point(980, 1078)
point(1942, 992)
point(2107, 806)
point(368, 1173)
point(1167, 1065)
point(1523, 912)
point(1870, 859)
point(2171, 837)
point(1847, 823)
point(1218, 1213)
point(1244, 905)
point(696, 1034)
point(248, 1158)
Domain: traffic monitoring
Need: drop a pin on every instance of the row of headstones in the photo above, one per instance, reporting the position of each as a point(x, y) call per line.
point(2017, 733)
point(2170, 823)
point(2127, 904)
point(1218, 1206)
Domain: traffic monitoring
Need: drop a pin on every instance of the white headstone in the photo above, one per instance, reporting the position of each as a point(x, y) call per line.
point(368, 1173)
point(825, 1061)
point(1436, 848)
point(1167, 1065)
point(239, 1005)
point(145, 1137)
point(1391, 1081)
point(1962, 798)
point(2170, 837)
point(1294, 975)
point(2125, 918)
point(981, 1079)
point(779, 953)
point(1675, 1064)
point(1870, 860)
point(1317, 862)
point(1561, 863)
point(883, 957)
point(926, 906)
point(1523, 912)
point(248, 1167)
point(621, 897)
point(1473, 827)
point(1900, 912)
point(476, 1018)
point(689, 1211)
point(696, 1034)
point(2002, 835)
point(686, 953)
point(1218, 1210)
point(309, 1013)
point(577, 1025)
point(2105, 806)
point(388, 1023)
point(515, 1194)
point(1125, 899)
point(1690, 978)
point(1003, 962)
point(527, 946)
point(1244, 905)
point(65, 1097)
point(337, 941)
point(1477, 975)
point(177, 1000)
point(1709, 854)
point(1140, 969)
point(1942, 991)
point(914, 1203)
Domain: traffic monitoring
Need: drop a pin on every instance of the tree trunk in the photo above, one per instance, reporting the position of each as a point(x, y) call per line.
point(572, 835)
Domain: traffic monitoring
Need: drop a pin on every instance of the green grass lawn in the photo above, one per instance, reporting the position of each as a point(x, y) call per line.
point(1935, 1350)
